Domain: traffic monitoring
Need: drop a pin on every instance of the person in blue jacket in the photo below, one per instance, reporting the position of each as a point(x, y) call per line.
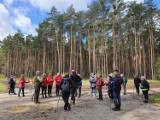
point(117, 81)
point(145, 88)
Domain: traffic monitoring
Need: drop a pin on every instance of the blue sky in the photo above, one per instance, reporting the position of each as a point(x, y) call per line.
point(25, 15)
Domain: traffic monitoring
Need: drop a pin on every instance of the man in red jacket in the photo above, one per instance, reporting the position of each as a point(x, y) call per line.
point(58, 80)
point(50, 84)
point(44, 85)
point(21, 85)
point(99, 86)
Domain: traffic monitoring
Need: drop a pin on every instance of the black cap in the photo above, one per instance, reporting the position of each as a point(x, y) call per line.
point(115, 70)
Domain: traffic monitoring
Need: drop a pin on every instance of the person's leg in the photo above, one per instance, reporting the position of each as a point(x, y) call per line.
point(19, 91)
point(36, 95)
point(116, 102)
point(124, 88)
point(23, 92)
point(100, 94)
point(145, 93)
point(45, 88)
point(137, 88)
point(94, 91)
point(79, 92)
point(56, 90)
point(42, 92)
point(119, 100)
point(49, 89)
point(73, 93)
point(9, 89)
point(91, 92)
point(76, 92)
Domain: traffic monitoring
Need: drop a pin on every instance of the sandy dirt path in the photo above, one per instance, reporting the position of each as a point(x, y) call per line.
point(86, 108)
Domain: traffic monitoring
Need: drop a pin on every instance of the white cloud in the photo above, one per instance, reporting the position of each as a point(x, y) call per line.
point(138, 1)
point(6, 27)
point(61, 5)
point(8, 2)
point(23, 23)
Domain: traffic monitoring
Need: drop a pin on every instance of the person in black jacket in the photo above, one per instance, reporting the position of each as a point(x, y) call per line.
point(76, 79)
point(137, 82)
point(145, 88)
point(11, 83)
point(65, 85)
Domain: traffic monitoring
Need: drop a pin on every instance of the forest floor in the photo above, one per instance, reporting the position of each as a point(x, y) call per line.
point(86, 108)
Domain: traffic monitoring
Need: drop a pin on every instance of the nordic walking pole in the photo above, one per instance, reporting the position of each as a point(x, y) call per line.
point(58, 101)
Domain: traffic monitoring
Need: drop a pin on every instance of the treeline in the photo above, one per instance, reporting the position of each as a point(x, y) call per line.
point(110, 34)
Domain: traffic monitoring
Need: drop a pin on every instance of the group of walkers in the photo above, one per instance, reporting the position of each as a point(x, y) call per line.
point(71, 85)
point(114, 82)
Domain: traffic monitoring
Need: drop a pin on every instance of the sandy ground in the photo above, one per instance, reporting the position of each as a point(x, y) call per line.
point(86, 108)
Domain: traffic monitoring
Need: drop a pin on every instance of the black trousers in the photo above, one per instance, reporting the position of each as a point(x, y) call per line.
point(137, 88)
point(36, 95)
point(65, 97)
point(100, 94)
point(11, 89)
point(44, 91)
point(145, 94)
point(57, 90)
point(49, 90)
point(73, 91)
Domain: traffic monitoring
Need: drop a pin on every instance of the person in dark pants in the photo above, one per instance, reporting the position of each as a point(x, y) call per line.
point(110, 86)
point(65, 86)
point(124, 84)
point(117, 81)
point(11, 83)
point(76, 79)
point(37, 84)
point(44, 86)
point(21, 85)
point(58, 80)
point(99, 86)
point(145, 88)
point(137, 82)
point(50, 84)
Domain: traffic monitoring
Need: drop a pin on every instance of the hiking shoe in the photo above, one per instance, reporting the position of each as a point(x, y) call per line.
point(69, 107)
point(115, 109)
point(145, 101)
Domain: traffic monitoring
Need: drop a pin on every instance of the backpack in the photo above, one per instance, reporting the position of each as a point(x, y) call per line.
point(65, 86)
point(120, 80)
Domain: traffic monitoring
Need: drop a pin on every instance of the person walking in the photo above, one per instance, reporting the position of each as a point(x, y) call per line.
point(21, 85)
point(99, 86)
point(93, 80)
point(76, 79)
point(137, 82)
point(65, 86)
point(58, 80)
point(44, 86)
point(11, 83)
point(50, 84)
point(145, 88)
point(124, 84)
point(37, 84)
point(117, 81)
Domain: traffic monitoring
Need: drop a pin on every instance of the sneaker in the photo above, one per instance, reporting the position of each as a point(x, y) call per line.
point(115, 109)
point(145, 101)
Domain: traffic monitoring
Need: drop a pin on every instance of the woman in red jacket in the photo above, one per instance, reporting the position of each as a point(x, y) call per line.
point(50, 84)
point(21, 85)
point(99, 86)
point(58, 80)
point(44, 85)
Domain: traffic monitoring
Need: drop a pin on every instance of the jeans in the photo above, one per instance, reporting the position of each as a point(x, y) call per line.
point(93, 91)
point(19, 91)
point(78, 90)
point(117, 99)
